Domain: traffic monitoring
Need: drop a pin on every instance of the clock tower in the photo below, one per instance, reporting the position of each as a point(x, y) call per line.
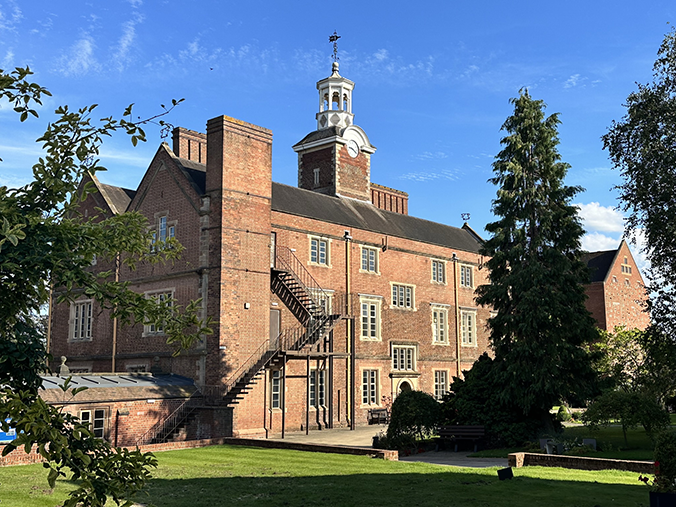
point(335, 159)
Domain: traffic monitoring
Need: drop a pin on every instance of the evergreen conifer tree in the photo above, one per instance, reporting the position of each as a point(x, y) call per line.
point(536, 274)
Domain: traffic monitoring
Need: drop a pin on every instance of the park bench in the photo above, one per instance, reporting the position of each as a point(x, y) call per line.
point(378, 416)
point(457, 433)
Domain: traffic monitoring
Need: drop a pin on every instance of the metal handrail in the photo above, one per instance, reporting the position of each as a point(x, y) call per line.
point(287, 261)
point(157, 428)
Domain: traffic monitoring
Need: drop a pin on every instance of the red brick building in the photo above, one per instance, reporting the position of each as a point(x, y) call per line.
point(325, 298)
point(616, 295)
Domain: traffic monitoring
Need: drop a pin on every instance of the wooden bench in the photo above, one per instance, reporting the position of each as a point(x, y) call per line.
point(457, 433)
point(378, 416)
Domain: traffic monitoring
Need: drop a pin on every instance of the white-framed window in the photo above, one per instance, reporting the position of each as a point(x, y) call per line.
point(319, 251)
point(370, 319)
point(440, 383)
point(96, 419)
point(403, 357)
point(161, 296)
point(318, 388)
point(81, 320)
point(439, 325)
point(468, 327)
point(369, 387)
point(403, 296)
point(438, 271)
point(275, 389)
point(163, 231)
point(626, 268)
point(316, 176)
point(369, 259)
point(466, 276)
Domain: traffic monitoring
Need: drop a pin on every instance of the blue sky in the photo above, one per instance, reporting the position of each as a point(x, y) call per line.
point(433, 82)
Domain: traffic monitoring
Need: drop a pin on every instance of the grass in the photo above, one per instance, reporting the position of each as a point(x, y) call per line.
point(610, 442)
point(240, 476)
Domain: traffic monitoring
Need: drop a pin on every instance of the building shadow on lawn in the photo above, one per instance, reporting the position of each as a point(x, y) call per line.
point(456, 487)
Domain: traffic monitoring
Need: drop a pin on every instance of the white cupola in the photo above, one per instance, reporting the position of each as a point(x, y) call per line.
point(335, 101)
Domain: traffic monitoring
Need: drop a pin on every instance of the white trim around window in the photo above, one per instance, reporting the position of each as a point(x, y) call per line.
point(402, 296)
point(370, 387)
point(438, 271)
point(369, 308)
point(81, 320)
point(96, 419)
point(466, 276)
point(468, 328)
point(440, 384)
point(369, 260)
point(319, 251)
point(153, 328)
point(440, 331)
point(404, 357)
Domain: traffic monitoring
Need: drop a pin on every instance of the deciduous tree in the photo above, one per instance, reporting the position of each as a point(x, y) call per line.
point(43, 242)
point(642, 146)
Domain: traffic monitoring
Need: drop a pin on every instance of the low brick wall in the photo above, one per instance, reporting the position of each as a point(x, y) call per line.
point(385, 454)
point(525, 459)
point(19, 457)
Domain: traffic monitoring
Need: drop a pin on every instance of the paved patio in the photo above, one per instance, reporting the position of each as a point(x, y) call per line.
point(362, 436)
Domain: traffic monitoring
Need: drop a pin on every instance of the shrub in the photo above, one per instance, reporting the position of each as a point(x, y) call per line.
point(475, 400)
point(415, 415)
point(563, 415)
point(665, 462)
point(630, 409)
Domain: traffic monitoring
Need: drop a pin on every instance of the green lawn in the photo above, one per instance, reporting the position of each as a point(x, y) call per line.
point(240, 476)
point(610, 442)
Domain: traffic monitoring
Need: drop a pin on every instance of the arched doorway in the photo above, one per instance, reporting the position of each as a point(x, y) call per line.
point(404, 386)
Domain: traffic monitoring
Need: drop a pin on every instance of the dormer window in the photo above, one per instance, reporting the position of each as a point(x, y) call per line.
point(316, 177)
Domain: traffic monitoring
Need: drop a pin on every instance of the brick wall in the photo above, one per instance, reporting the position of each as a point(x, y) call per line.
point(619, 300)
point(353, 175)
point(323, 159)
point(523, 459)
point(190, 145)
point(389, 199)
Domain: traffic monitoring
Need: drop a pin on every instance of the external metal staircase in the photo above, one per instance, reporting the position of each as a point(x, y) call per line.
point(307, 301)
point(316, 313)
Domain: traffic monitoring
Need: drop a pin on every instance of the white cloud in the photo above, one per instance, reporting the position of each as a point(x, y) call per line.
point(596, 242)
point(428, 155)
point(10, 20)
point(572, 81)
point(446, 174)
point(126, 42)
point(601, 218)
point(8, 60)
point(381, 55)
point(80, 58)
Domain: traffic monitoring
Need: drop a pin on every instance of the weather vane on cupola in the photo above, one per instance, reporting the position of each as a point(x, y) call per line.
point(334, 38)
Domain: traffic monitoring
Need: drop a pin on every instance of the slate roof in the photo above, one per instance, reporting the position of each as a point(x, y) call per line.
point(366, 216)
point(320, 134)
point(194, 172)
point(108, 381)
point(599, 264)
point(119, 197)
point(111, 387)
point(349, 212)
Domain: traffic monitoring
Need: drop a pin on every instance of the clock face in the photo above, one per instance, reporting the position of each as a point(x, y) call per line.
point(352, 148)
